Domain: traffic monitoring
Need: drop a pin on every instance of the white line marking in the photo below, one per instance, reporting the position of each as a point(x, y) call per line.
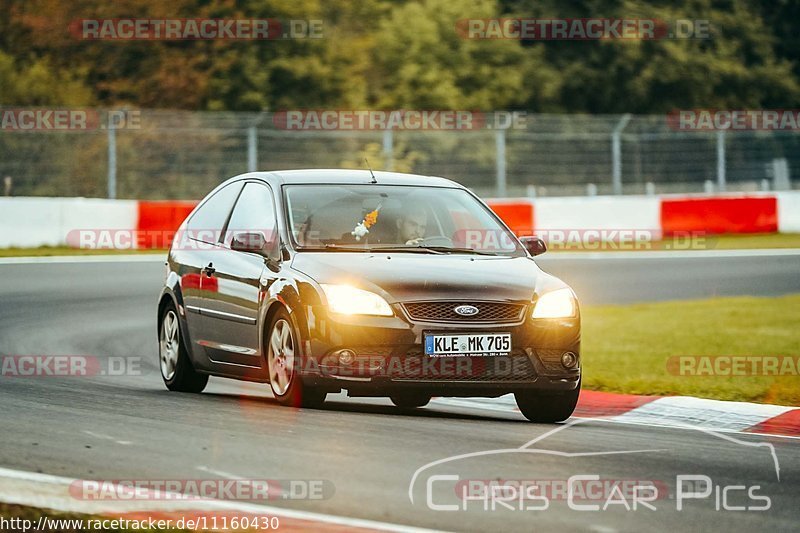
point(107, 437)
point(219, 473)
point(67, 259)
point(673, 254)
point(44, 496)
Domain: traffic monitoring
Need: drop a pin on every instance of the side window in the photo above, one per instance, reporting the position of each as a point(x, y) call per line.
point(207, 222)
point(254, 212)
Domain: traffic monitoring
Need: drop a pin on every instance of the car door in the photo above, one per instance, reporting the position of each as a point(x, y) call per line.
point(231, 313)
point(196, 250)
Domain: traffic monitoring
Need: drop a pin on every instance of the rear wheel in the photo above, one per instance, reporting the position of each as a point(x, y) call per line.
point(176, 367)
point(408, 400)
point(548, 408)
point(282, 365)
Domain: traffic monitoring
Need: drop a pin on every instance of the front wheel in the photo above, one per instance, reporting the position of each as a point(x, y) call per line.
point(176, 367)
point(282, 364)
point(548, 408)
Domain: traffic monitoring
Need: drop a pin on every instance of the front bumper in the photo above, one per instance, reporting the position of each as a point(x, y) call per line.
point(388, 355)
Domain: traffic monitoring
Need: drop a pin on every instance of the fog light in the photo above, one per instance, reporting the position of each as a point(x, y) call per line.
point(569, 360)
point(346, 357)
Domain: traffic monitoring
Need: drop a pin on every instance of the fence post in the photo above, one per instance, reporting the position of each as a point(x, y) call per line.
point(616, 154)
point(112, 162)
point(388, 150)
point(500, 147)
point(721, 160)
point(252, 149)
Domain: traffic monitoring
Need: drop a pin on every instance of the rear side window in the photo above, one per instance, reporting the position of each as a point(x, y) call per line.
point(254, 212)
point(207, 222)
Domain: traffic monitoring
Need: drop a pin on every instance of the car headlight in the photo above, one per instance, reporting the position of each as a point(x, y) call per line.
point(556, 304)
point(351, 301)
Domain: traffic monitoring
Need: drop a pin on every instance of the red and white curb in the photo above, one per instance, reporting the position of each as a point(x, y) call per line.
point(53, 492)
point(667, 411)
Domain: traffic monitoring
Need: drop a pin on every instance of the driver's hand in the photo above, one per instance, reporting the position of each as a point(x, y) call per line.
point(414, 242)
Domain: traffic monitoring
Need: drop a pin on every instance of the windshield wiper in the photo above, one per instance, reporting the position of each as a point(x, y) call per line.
point(450, 249)
point(334, 248)
point(412, 249)
point(434, 249)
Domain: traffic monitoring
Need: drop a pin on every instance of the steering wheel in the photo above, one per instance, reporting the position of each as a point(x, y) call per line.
point(437, 240)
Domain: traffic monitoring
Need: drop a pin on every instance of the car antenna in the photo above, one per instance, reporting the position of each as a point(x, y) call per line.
point(374, 180)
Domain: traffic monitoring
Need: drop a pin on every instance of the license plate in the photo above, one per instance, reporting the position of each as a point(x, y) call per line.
point(485, 344)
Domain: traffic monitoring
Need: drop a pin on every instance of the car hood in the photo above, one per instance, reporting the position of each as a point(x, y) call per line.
point(412, 276)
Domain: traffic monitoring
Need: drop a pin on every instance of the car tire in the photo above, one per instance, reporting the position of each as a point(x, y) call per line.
point(282, 348)
point(410, 400)
point(177, 370)
point(548, 408)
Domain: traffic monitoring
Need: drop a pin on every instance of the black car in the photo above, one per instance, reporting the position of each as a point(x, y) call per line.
point(382, 284)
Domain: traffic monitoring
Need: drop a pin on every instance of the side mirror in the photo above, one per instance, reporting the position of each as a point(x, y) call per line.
point(534, 245)
point(245, 241)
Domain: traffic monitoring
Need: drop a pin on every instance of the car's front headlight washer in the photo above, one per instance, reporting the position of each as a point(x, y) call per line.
point(560, 303)
point(347, 300)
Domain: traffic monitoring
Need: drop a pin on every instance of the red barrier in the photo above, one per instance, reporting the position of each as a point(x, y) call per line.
point(517, 215)
point(163, 216)
point(719, 215)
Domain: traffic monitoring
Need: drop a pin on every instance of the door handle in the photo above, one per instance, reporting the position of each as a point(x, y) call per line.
point(209, 270)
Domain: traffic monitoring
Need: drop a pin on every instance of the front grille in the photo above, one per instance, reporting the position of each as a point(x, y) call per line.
point(418, 366)
point(495, 312)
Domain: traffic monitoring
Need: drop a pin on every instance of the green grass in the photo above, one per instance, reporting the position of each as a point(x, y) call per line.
point(626, 348)
point(43, 251)
point(697, 242)
point(754, 240)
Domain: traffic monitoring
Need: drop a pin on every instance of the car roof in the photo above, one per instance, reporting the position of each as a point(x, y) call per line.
point(347, 177)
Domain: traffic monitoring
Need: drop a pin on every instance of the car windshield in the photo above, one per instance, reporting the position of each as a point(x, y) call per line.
point(395, 218)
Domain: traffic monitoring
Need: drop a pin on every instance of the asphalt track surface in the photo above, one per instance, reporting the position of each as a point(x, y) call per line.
point(131, 427)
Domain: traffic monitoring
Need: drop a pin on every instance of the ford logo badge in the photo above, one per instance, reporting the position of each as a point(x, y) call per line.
point(466, 310)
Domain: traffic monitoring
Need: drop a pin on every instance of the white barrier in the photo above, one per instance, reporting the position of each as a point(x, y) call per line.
point(598, 213)
point(32, 222)
point(789, 212)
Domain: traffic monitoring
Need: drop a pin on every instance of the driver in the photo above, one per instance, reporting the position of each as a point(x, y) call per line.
point(411, 225)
